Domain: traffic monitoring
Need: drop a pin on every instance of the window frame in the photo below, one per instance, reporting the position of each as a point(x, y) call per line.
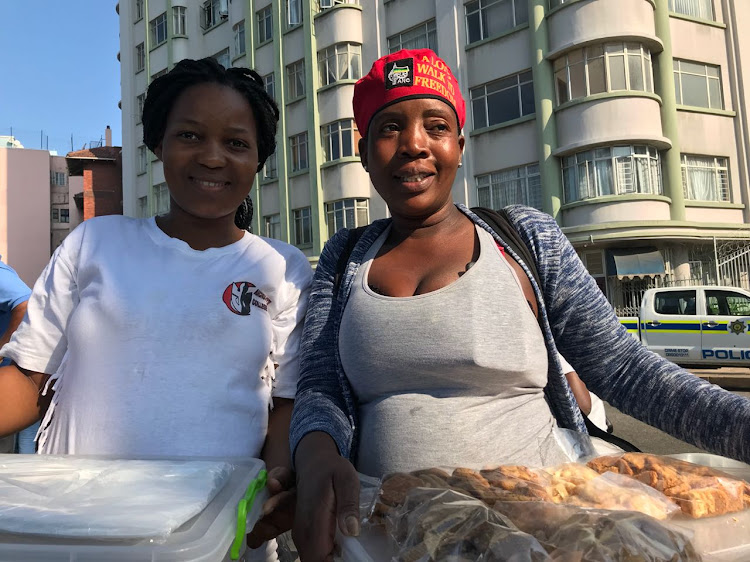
point(142, 159)
point(271, 172)
point(720, 172)
point(295, 73)
point(140, 57)
point(161, 194)
point(264, 24)
point(427, 29)
point(140, 100)
point(138, 7)
point(293, 8)
point(179, 21)
point(65, 216)
point(158, 27)
point(335, 132)
point(223, 55)
point(142, 207)
point(299, 152)
point(272, 226)
point(303, 231)
point(269, 84)
point(354, 205)
point(522, 79)
point(500, 181)
point(483, 8)
point(678, 73)
point(563, 64)
point(672, 8)
point(350, 52)
point(619, 169)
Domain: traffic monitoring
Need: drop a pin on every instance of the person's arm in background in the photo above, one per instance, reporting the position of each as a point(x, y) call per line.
point(16, 315)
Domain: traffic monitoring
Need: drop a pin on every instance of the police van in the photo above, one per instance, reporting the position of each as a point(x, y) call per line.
point(697, 325)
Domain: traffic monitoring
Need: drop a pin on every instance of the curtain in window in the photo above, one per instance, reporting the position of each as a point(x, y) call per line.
point(604, 179)
point(695, 8)
point(642, 175)
point(701, 180)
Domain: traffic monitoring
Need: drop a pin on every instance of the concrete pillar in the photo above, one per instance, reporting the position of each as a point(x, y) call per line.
point(680, 263)
point(664, 80)
point(544, 94)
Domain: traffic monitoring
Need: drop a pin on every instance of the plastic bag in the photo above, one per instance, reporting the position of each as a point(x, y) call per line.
point(104, 499)
point(442, 525)
point(700, 491)
point(573, 534)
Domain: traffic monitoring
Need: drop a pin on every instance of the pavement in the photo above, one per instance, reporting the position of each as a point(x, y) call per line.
point(730, 378)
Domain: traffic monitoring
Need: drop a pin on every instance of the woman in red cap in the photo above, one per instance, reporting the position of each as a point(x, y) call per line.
point(428, 342)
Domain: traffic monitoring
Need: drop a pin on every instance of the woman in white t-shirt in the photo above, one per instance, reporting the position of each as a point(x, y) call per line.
point(174, 335)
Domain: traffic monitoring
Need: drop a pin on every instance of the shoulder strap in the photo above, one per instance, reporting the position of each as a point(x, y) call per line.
point(594, 431)
point(499, 222)
point(354, 235)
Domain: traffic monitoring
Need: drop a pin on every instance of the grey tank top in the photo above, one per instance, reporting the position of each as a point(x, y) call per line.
point(453, 377)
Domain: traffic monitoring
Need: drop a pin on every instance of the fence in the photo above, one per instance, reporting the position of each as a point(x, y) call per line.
point(730, 258)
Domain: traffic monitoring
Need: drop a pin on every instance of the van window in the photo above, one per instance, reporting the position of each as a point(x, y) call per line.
point(727, 303)
point(675, 302)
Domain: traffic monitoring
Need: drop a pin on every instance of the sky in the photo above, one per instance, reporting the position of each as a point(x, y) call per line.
point(59, 73)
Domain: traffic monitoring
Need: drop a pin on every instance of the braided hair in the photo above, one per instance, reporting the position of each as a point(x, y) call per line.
point(164, 91)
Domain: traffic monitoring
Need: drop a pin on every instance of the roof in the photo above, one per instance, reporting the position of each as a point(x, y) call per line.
point(99, 152)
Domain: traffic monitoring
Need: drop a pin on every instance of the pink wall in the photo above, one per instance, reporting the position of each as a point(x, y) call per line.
point(25, 210)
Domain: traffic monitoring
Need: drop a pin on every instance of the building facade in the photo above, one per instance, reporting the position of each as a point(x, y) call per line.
point(34, 209)
point(626, 120)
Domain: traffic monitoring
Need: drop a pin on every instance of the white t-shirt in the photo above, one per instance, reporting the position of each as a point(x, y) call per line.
point(597, 415)
point(159, 349)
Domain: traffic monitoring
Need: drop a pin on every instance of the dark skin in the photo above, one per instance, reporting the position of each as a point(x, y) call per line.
point(412, 150)
point(210, 156)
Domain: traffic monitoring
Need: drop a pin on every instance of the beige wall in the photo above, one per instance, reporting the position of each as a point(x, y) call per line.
point(25, 210)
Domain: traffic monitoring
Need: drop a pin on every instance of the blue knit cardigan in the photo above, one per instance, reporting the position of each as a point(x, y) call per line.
point(575, 317)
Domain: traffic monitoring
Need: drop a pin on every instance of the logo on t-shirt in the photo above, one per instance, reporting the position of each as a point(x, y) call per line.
point(240, 296)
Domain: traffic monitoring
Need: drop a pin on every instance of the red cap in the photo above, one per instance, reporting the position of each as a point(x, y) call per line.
point(409, 73)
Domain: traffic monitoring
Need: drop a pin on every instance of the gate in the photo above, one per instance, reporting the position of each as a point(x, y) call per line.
point(733, 263)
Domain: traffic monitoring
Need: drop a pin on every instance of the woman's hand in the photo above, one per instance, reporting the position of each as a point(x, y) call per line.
point(278, 510)
point(327, 492)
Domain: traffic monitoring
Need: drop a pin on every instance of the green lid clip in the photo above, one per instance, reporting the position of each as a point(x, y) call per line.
point(243, 506)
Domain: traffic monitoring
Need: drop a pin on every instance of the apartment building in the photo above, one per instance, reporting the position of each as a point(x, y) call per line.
point(624, 119)
point(34, 207)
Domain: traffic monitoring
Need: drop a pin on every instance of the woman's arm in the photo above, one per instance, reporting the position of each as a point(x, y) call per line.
point(617, 367)
point(21, 403)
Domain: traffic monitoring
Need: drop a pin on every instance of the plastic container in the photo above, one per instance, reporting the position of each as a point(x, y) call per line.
point(722, 538)
point(207, 537)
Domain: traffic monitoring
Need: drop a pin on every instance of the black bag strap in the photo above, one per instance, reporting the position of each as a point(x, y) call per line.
point(499, 222)
point(595, 431)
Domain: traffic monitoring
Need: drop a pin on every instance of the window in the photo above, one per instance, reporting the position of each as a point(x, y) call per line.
point(346, 213)
point(142, 159)
point(502, 100)
point(325, 4)
point(340, 139)
point(179, 20)
point(64, 215)
point(487, 18)
point(269, 168)
point(162, 72)
point(161, 196)
point(697, 84)
point(272, 226)
point(423, 36)
point(140, 99)
point(57, 178)
point(727, 303)
point(705, 178)
point(213, 13)
point(521, 186)
point(270, 85)
point(303, 226)
point(294, 12)
point(222, 58)
point(702, 9)
point(138, 10)
point(616, 170)
point(603, 68)
point(295, 74)
point(556, 3)
point(298, 151)
point(55, 215)
point(142, 207)
point(594, 263)
point(140, 57)
point(239, 39)
point(158, 28)
point(265, 24)
point(674, 302)
point(340, 62)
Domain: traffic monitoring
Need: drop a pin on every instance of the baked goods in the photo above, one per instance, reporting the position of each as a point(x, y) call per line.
point(700, 491)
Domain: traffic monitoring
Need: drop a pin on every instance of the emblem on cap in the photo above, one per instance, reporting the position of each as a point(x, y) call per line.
point(399, 73)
